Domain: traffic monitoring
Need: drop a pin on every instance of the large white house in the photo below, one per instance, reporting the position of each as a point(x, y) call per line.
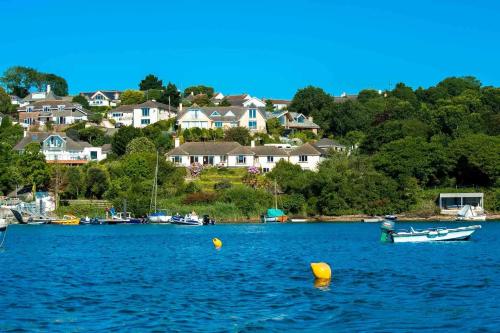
point(223, 117)
point(142, 115)
point(60, 149)
point(103, 97)
point(234, 155)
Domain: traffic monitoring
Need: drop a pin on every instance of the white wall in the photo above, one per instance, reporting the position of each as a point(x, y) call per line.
point(311, 164)
point(261, 161)
point(153, 117)
point(126, 118)
point(232, 161)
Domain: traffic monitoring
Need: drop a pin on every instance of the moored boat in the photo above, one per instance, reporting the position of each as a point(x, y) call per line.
point(67, 220)
point(159, 217)
point(3, 224)
point(274, 215)
point(188, 219)
point(426, 235)
point(375, 219)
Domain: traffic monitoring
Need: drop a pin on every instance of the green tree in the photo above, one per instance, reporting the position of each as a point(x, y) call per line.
point(6, 106)
point(129, 97)
point(82, 101)
point(19, 80)
point(75, 183)
point(274, 127)
point(9, 176)
point(238, 134)
point(121, 139)
point(57, 84)
point(171, 95)
point(32, 166)
point(141, 145)
point(269, 105)
point(97, 181)
point(202, 100)
point(150, 82)
point(201, 89)
point(225, 102)
point(309, 99)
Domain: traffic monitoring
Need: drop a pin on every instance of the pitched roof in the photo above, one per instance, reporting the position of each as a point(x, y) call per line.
point(237, 97)
point(110, 94)
point(37, 96)
point(305, 149)
point(39, 137)
point(279, 101)
point(327, 143)
point(268, 151)
point(147, 104)
point(241, 150)
point(204, 148)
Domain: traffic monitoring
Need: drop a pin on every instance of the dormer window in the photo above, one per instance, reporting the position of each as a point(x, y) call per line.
point(252, 113)
point(99, 97)
point(215, 114)
point(29, 109)
point(46, 108)
point(60, 107)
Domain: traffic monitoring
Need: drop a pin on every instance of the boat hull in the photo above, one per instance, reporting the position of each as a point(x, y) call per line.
point(456, 234)
point(159, 218)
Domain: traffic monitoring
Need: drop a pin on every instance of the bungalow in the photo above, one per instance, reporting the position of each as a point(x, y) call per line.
point(294, 121)
point(223, 117)
point(141, 115)
point(327, 145)
point(102, 97)
point(307, 156)
point(60, 149)
point(56, 111)
point(233, 155)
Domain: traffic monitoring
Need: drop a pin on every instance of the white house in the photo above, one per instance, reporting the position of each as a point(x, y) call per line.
point(245, 100)
point(60, 149)
point(103, 97)
point(294, 121)
point(279, 104)
point(223, 117)
point(234, 155)
point(142, 115)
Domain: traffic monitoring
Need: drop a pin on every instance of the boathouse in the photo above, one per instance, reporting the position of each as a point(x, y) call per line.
point(451, 203)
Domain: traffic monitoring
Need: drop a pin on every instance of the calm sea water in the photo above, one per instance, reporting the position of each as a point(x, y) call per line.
point(168, 278)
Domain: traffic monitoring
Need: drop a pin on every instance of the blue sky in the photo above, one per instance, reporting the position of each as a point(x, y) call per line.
point(265, 48)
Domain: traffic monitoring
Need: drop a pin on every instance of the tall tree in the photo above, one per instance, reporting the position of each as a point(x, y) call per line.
point(57, 84)
point(238, 134)
point(171, 95)
point(33, 167)
point(150, 82)
point(309, 99)
point(200, 89)
point(121, 139)
point(129, 97)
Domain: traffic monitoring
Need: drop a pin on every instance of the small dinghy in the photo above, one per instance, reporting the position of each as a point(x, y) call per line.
point(469, 213)
point(427, 235)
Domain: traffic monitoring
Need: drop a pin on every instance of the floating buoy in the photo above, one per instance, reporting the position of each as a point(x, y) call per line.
point(217, 243)
point(321, 270)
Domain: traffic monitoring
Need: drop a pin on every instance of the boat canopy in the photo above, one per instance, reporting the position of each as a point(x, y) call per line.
point(273, 212)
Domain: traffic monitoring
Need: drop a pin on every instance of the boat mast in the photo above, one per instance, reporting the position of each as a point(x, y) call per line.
point(156, 179)
point(275, 195)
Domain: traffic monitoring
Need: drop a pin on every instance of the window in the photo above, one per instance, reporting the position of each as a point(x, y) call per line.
point(265, 170)
point(29, 109)
point(99, 97)
point(145, 121)
point(215, 113)
point(145, 112)
point(218, 124)
point(241, 159)
point(270, 159)
point(117, 115)
point(93, 155)
point(177, 159)
point(303, 159)
point(223, 158)
point(252, 124)
point(193, 159)
point(60, 107)
point(46, 108)
point(252, 113)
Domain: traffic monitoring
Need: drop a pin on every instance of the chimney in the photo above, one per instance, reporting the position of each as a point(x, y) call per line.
point(25, 133)
point(310, 119)
point(48, 88)
point(116, 95)
point(252, 143)
point(180, 106)
point(177, 142)
point(343, 94)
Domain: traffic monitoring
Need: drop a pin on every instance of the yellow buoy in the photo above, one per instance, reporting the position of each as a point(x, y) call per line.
point(321, 270)
point(217, 243)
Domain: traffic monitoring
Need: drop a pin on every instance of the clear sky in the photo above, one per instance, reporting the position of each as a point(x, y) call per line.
point(264, 48)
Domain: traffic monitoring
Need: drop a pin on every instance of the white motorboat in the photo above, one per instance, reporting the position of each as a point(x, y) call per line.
point(159, 217)
point(427, 235)
point(188, 219)
point(469, 213)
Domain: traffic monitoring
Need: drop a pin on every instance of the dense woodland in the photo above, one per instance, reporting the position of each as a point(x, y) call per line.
point(406, 145)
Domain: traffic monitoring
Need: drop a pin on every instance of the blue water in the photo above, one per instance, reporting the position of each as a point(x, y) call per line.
point(168, 278)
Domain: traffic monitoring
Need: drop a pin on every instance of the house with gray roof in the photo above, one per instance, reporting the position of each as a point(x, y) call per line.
point(102, 97)
point(58, 112)
point(60, 149)
point(223, 117)
point(142, 115)
point(327, 146)
point(294, 121)
point(234, 155)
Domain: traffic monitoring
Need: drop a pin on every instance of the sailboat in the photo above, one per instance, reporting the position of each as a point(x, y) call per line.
point(156, 216)
point(469, 213)
point(274, 214)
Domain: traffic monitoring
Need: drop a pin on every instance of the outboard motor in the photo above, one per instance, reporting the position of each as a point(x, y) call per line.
point(387, 228)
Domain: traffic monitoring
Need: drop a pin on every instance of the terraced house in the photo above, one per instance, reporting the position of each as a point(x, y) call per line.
point(58, 112)
point(223, 117)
